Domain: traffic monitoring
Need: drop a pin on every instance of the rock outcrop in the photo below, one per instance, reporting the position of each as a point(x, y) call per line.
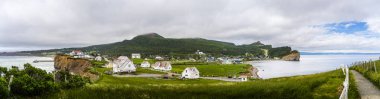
point(293, 56)
point(253, 73)
point(76, 66)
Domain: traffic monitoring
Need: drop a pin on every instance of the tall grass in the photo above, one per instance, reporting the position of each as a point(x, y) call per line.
point(215, 69)
point(321, 86)
point(369, 71)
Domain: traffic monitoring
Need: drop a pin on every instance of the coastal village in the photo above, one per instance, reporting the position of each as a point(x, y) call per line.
point(148, 62)
point(136, 65)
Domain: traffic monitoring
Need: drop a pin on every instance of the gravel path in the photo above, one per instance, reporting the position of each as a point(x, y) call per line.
point(366, 89)
point(139, 75)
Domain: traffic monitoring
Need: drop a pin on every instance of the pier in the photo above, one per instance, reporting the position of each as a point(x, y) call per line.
point(37, 61)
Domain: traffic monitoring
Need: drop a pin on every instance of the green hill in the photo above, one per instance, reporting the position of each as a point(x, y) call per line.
point(154, 44)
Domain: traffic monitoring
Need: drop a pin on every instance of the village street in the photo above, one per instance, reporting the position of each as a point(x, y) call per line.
point(223, 79)
point(139, 75)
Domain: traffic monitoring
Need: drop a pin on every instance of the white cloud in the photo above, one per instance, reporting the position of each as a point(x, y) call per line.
point(72, 23)
point(374, 24)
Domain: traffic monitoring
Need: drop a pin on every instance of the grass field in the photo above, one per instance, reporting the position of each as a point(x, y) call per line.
point(139, 61)
point(215, 69)
point(318, 86)
point(369, 71)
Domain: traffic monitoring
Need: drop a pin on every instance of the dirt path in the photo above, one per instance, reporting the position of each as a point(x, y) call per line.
point(366, 89)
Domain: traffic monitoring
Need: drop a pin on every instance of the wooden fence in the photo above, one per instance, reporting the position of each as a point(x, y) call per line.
point(346, 82)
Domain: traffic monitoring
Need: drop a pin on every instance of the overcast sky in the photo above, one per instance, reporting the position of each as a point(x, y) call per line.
point(305, 25)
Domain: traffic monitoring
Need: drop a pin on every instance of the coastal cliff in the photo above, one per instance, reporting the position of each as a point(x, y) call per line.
point(253, 73)
point(74, 65)
point(293, 56)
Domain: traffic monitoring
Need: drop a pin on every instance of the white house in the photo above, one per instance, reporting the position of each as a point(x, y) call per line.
point(226, 61)
point(199, 53)
point(77, 54)
point(162, 65)
point(123, 65)
point(98, 58)
point(136, 55)
point(159, 58)
point(243, 78)
point(190, 72)
point(145, 64)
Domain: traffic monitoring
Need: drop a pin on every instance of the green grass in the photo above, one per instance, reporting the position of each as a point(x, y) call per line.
point(353, 92)
point(98, 63)
point(215, 69)
point(318, 86)
point(369, 72)
point(139, 61)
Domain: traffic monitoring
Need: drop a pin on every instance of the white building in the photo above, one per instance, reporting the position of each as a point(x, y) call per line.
point(145, 64)
point(226, 61)
point(77, 54)
point(136, 55)
point(123, 65)
point(98, 58)
point(159, 58)
point(199, 53)
point(191, 73)
point(162, 65)
point(243, 78)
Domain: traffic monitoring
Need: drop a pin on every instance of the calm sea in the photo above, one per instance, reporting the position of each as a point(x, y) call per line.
point(309, 64)
point(8, 61)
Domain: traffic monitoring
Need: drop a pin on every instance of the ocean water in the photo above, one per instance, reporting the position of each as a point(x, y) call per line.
point(19, 61)
point(308, 64)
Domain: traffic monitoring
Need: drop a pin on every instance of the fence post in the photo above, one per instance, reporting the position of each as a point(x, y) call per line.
point(374, 65)
point(342, 67)
point(10, 82)
point(344, 94)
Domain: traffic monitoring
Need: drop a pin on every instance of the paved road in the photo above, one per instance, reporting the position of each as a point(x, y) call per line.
point(222, 78)
point(139, 75)
point(366, 89)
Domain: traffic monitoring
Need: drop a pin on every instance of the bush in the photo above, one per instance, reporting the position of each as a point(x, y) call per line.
point(3, 88)
point(67, 81)
point(32, 81)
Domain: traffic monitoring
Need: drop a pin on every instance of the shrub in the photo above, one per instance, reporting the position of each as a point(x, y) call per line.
point(32, 81)
point(3, 88)
point(67, 81)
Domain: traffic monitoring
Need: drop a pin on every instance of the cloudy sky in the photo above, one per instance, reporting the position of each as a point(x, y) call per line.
point(306, 25)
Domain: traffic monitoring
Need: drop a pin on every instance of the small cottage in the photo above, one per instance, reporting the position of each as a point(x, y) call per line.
point(159, 58)
point(77, 54)
point(145, 64)
point(191, 73)
point(98, 58)
point(136, 55)
point(123, 65)
point(226, 61)
point(243, 78)
point(162, 65)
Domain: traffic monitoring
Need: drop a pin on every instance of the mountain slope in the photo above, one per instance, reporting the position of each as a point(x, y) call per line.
point(154, 44)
